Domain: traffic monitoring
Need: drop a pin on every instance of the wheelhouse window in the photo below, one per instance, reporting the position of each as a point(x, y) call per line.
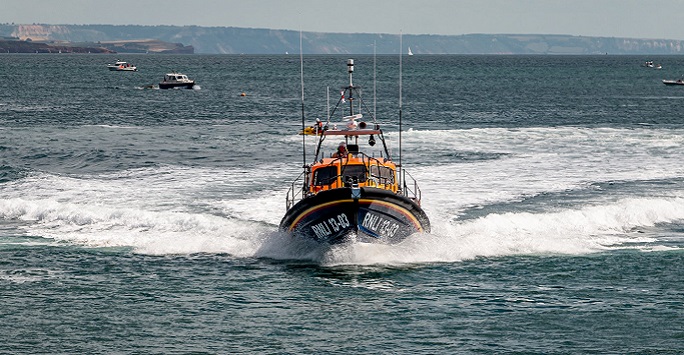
point(325, 176)
point(384, 174)
point(354, 173)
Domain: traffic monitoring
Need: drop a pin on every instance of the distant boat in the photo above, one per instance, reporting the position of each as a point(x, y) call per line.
point(650, 64)
point(409, 51)
point(673, 82)
point(176, 80)
point(122, 66)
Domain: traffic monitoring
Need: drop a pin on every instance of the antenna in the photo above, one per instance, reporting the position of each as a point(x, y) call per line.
point(350, 70)
point(301, 74)
point(375, 94)
point(401, 50)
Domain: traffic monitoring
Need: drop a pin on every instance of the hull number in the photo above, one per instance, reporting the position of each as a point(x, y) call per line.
point(330, 226)
point(383, 227)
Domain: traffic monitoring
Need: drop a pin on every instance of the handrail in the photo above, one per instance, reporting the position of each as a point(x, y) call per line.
point(299, 188)
point(415, 194)
point(295, 194)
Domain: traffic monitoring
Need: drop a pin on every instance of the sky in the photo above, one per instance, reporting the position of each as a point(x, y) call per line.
point(660, 19)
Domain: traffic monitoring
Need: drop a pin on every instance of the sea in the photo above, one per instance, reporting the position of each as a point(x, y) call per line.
point(135, 220)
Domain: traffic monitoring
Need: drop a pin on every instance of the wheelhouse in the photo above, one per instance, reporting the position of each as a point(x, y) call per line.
point(353, 171)
point(371, 167)
point(176, 77)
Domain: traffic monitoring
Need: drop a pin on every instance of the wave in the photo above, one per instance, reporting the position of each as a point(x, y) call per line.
point(535, 161)
point(9, 173)
point(110, 126)
point(573, 231)
point(535, 190)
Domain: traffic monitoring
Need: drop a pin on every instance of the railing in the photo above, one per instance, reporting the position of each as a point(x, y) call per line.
point(297, 190)
point(414, 193)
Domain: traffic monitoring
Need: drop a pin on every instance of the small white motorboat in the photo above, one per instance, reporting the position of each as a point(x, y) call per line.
point(673, 82)
point(122, 66)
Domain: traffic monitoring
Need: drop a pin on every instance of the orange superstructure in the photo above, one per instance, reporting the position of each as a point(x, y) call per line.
point(358, 169)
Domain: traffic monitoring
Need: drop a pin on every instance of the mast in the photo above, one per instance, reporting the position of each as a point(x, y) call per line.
point(301, 74)
point(375, 92)
point(399, 168)
point(350, 70)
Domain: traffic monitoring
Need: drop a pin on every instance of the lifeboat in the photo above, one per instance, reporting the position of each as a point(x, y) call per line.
point(310, 131)
point(358, 193)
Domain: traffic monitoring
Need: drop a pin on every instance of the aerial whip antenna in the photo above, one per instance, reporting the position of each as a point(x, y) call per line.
point(375, 96)
point(401, 49)
point(301, 75)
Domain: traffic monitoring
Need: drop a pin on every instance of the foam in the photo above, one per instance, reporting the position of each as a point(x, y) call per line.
point(186, 210)
point(22, 276)
point(147, 232)
point(537, 160)
point(585, 230)
point(573, 231)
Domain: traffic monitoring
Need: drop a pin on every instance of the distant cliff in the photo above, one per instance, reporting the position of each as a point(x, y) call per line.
point(82, 39)
point(234, 40)
point(11, 45)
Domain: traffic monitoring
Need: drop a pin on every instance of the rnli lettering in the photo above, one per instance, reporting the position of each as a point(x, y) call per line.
point(334, 224)
point(321, 230)
point(382, 226)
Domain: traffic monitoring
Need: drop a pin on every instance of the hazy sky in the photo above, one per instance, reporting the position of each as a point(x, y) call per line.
point(612, 18)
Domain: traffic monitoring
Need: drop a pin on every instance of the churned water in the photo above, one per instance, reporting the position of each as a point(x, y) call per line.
point(137, 220)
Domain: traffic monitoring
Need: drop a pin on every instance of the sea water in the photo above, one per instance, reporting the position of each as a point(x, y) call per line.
point(138, 220)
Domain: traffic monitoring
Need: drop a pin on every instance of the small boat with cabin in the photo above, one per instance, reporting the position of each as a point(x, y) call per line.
point(122, 66)
point(650, 64)
point(673, 82)
point(357, 194)
point(176, 81)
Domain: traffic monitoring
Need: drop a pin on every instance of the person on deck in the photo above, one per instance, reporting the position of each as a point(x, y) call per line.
point(341, 151)
point(318, 127)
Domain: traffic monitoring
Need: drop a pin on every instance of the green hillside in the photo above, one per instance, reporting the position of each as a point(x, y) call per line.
point(233, 40)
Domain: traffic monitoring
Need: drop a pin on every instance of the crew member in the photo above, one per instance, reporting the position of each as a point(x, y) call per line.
point(341, 151)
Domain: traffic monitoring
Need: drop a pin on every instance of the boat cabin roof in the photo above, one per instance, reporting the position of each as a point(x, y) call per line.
point(352, 159)
point(353, 128)
point(351, 132)
point(175, 76)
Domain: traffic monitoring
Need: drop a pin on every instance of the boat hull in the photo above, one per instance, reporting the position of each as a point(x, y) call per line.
point(167, 85)
point(117, 68)
point(371, 215)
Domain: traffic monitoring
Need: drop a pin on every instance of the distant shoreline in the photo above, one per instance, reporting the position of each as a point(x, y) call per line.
point(139, 46)
point(235, 40)
point(16, 46)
